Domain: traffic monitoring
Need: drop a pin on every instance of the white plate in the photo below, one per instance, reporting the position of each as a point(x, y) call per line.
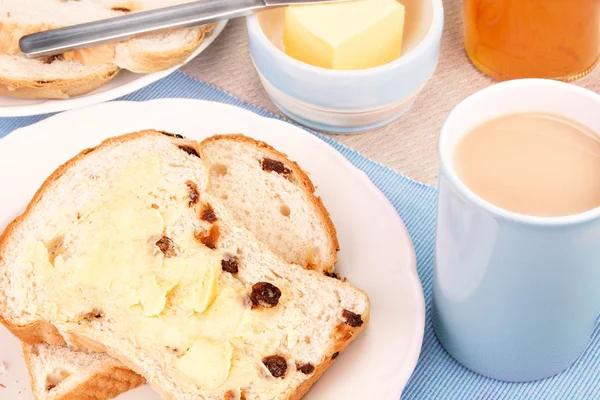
point(377, 254)
point(124, 83)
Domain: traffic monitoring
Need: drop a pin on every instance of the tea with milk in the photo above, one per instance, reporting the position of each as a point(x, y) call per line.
point(532, 163)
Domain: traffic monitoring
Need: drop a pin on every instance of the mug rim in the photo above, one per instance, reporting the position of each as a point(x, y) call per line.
point(448, 171)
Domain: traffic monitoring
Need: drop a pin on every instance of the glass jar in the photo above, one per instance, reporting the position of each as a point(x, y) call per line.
point(556, 39)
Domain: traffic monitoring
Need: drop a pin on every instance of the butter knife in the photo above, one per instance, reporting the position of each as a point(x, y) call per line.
point(57, 41)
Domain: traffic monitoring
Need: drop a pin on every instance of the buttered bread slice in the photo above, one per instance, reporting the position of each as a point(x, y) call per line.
point(124, 250)
point(256, 198)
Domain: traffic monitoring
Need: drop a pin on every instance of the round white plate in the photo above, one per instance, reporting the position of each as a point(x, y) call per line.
point(124, 83)
point(377, 254)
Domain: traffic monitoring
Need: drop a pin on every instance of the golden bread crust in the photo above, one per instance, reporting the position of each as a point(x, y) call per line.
point(104, 384)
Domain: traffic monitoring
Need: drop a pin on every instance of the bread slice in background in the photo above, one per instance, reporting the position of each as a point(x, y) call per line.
point(81, 71)
point(160, 51)
point(273, 198)
point(232, 152)
point(36, 79)
point(315, 319)
point(59, 373)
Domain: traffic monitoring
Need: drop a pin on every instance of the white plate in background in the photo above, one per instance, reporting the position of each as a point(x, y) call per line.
point(376, 252)
point(124, 83)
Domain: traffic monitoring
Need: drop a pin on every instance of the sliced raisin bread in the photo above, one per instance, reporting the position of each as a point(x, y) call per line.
point(78, 72)
point(310, 212)
point(124, 250)
point(59, 373)
point(37, 79)
point(273, 198)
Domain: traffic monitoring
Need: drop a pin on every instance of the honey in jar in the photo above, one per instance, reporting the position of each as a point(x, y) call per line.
point(555, 39)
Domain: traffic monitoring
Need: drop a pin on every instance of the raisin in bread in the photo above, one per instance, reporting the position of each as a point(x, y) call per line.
point(65, 374)
point(124, 250)
point(80, 71)
point(296, 188)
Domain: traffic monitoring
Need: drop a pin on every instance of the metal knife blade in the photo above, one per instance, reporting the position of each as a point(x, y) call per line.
point(57, 41)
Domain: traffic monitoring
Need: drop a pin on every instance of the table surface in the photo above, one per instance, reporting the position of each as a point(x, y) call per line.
point(407, 145)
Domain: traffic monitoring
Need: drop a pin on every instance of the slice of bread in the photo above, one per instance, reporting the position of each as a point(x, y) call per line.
point(65, 374)
point(160, 51)
point(217, 151)
point(80, 71)
point(273, 198)
point(37, 79)
point(124, 250)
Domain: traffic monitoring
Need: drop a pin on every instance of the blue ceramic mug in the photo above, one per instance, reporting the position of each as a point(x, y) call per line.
point(516, 297)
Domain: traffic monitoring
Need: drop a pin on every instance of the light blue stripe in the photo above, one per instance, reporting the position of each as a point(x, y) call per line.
point(437, 375)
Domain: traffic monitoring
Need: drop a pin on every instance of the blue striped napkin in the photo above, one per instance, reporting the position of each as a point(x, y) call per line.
point(437, 375)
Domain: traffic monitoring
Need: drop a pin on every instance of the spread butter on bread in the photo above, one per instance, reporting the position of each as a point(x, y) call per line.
point(115, 253)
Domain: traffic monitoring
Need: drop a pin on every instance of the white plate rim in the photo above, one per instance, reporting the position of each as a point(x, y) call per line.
point(57, 105)
point(415, 346)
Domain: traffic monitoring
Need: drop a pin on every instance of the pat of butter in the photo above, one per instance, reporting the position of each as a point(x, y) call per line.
point(354, 35)
point(207, 362)
point(219, 322)
point(152, 296)
point(204, 292)
point(195, 281)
